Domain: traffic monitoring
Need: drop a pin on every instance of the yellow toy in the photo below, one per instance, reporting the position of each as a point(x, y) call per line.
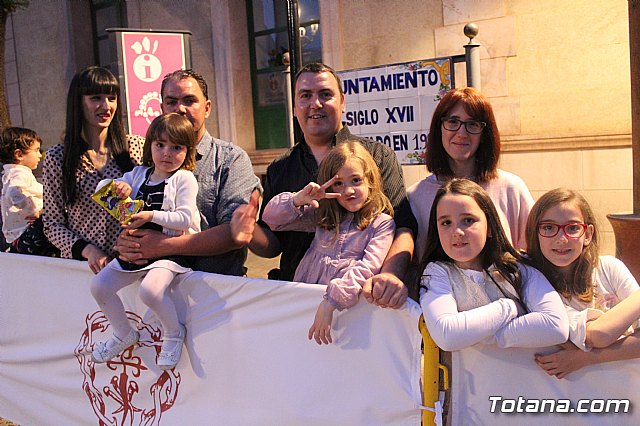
point(122, 210)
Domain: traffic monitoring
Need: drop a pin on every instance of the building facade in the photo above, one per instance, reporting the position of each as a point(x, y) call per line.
point(556, 72)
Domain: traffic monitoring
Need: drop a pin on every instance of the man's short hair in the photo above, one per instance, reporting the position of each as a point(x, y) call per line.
point(317, 68)
point(181, 75)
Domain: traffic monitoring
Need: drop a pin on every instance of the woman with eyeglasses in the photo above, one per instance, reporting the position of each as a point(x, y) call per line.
point(601, 296)
point(95, 147)
point(464, 142)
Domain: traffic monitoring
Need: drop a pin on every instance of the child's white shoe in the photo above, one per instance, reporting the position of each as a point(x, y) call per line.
point(105, 351)
point(171, 350)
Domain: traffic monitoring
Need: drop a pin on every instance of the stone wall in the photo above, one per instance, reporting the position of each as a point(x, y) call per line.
point(557, 75)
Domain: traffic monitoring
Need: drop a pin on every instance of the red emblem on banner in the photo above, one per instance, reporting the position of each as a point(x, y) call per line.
point(114, 389)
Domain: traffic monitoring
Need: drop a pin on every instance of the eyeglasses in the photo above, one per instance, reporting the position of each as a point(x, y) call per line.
point(472, 126)
point(571, 230)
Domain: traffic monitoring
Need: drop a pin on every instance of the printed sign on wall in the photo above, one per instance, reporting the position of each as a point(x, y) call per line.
point(393, 104)
point(271, 89)
point(147, 57)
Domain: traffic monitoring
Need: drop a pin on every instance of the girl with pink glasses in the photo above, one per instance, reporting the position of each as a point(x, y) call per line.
point(600, 294)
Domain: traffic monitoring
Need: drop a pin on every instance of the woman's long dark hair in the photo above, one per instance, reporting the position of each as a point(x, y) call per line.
point(497, 250)
point(90, 81)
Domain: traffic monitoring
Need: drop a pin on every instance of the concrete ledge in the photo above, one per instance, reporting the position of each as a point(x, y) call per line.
point(556, 143)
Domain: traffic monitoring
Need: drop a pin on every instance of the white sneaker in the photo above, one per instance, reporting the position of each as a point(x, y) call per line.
point(171, 350)
point(105, 351)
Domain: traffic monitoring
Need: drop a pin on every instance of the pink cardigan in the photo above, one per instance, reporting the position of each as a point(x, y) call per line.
point(343, 261)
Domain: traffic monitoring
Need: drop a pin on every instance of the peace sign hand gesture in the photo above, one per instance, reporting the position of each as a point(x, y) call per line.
point(310, 194)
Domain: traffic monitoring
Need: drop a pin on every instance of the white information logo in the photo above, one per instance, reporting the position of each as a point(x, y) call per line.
point(146, 66)
point(149, 107)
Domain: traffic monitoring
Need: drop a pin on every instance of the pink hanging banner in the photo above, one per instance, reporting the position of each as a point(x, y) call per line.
point(146, 58)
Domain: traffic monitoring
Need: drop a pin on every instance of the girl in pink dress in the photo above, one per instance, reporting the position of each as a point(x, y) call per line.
point(353, 229)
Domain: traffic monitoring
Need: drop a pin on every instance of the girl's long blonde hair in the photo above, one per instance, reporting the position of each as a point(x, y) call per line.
point(579, 282)
point(330, 212)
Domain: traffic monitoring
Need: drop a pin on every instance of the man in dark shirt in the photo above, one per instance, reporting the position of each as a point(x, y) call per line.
point(318, 106)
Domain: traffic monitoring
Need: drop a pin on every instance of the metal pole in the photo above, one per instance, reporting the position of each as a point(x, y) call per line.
point(295, 56)
point(472, 56)
point(288, 101)
point(293, 26)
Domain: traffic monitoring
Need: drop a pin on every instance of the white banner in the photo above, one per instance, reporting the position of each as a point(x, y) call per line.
point(247, 359)
point(493, 386)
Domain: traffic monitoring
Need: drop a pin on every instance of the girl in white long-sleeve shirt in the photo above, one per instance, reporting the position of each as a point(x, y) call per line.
point(169, 191)
point(474, 288)
point(599, 292)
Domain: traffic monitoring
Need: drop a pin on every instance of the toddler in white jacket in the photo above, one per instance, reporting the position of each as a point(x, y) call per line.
point(22, 193)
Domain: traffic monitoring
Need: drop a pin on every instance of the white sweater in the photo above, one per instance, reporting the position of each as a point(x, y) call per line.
point(179, 214)
point(613, 282)
point(21, 199)
point(497, 322)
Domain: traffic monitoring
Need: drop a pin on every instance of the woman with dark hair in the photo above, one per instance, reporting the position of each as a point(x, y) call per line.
point(94, 148)
point(464, 143)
